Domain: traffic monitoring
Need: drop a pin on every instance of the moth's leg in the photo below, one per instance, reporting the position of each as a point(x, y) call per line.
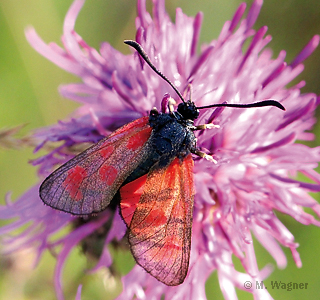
point(204, 155)
point(205, 126)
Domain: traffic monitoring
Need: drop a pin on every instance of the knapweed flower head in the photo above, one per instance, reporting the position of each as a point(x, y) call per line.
point(257, 157)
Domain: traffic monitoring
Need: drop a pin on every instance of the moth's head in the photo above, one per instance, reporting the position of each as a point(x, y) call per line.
point(188, 110)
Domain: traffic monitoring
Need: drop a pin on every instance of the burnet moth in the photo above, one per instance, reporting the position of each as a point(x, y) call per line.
point(149, 162)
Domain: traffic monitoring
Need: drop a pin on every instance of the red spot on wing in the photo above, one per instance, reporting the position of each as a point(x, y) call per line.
point(108, 174)
point(106, 152)
point(156, 218)
point(73, 181)
point(137, 140)
point(130, 196)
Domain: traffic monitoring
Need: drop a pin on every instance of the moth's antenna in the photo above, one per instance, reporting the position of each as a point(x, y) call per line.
point(256, 104)
point(144, 55)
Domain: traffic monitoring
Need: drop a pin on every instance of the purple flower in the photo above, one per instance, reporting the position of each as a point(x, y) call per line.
point(257, 156)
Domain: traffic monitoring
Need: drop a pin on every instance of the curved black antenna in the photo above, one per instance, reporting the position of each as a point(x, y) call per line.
point(144, 55)
point(146, 58)
point(256, 104)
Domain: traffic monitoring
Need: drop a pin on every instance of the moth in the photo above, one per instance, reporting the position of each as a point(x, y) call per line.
point(149, 162)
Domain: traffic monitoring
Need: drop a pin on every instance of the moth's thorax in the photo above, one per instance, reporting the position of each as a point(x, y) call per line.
point(172, 134)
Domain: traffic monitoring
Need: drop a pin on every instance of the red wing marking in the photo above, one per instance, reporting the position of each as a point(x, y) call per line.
point(156, 218)
point(130, 196)
point(134, 142)
point(88, 182)
point(73, 182)
point(160, 229)
point(108, 174)
point(106, 152)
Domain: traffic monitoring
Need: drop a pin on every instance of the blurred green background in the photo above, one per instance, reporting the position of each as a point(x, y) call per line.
point(28, 95)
